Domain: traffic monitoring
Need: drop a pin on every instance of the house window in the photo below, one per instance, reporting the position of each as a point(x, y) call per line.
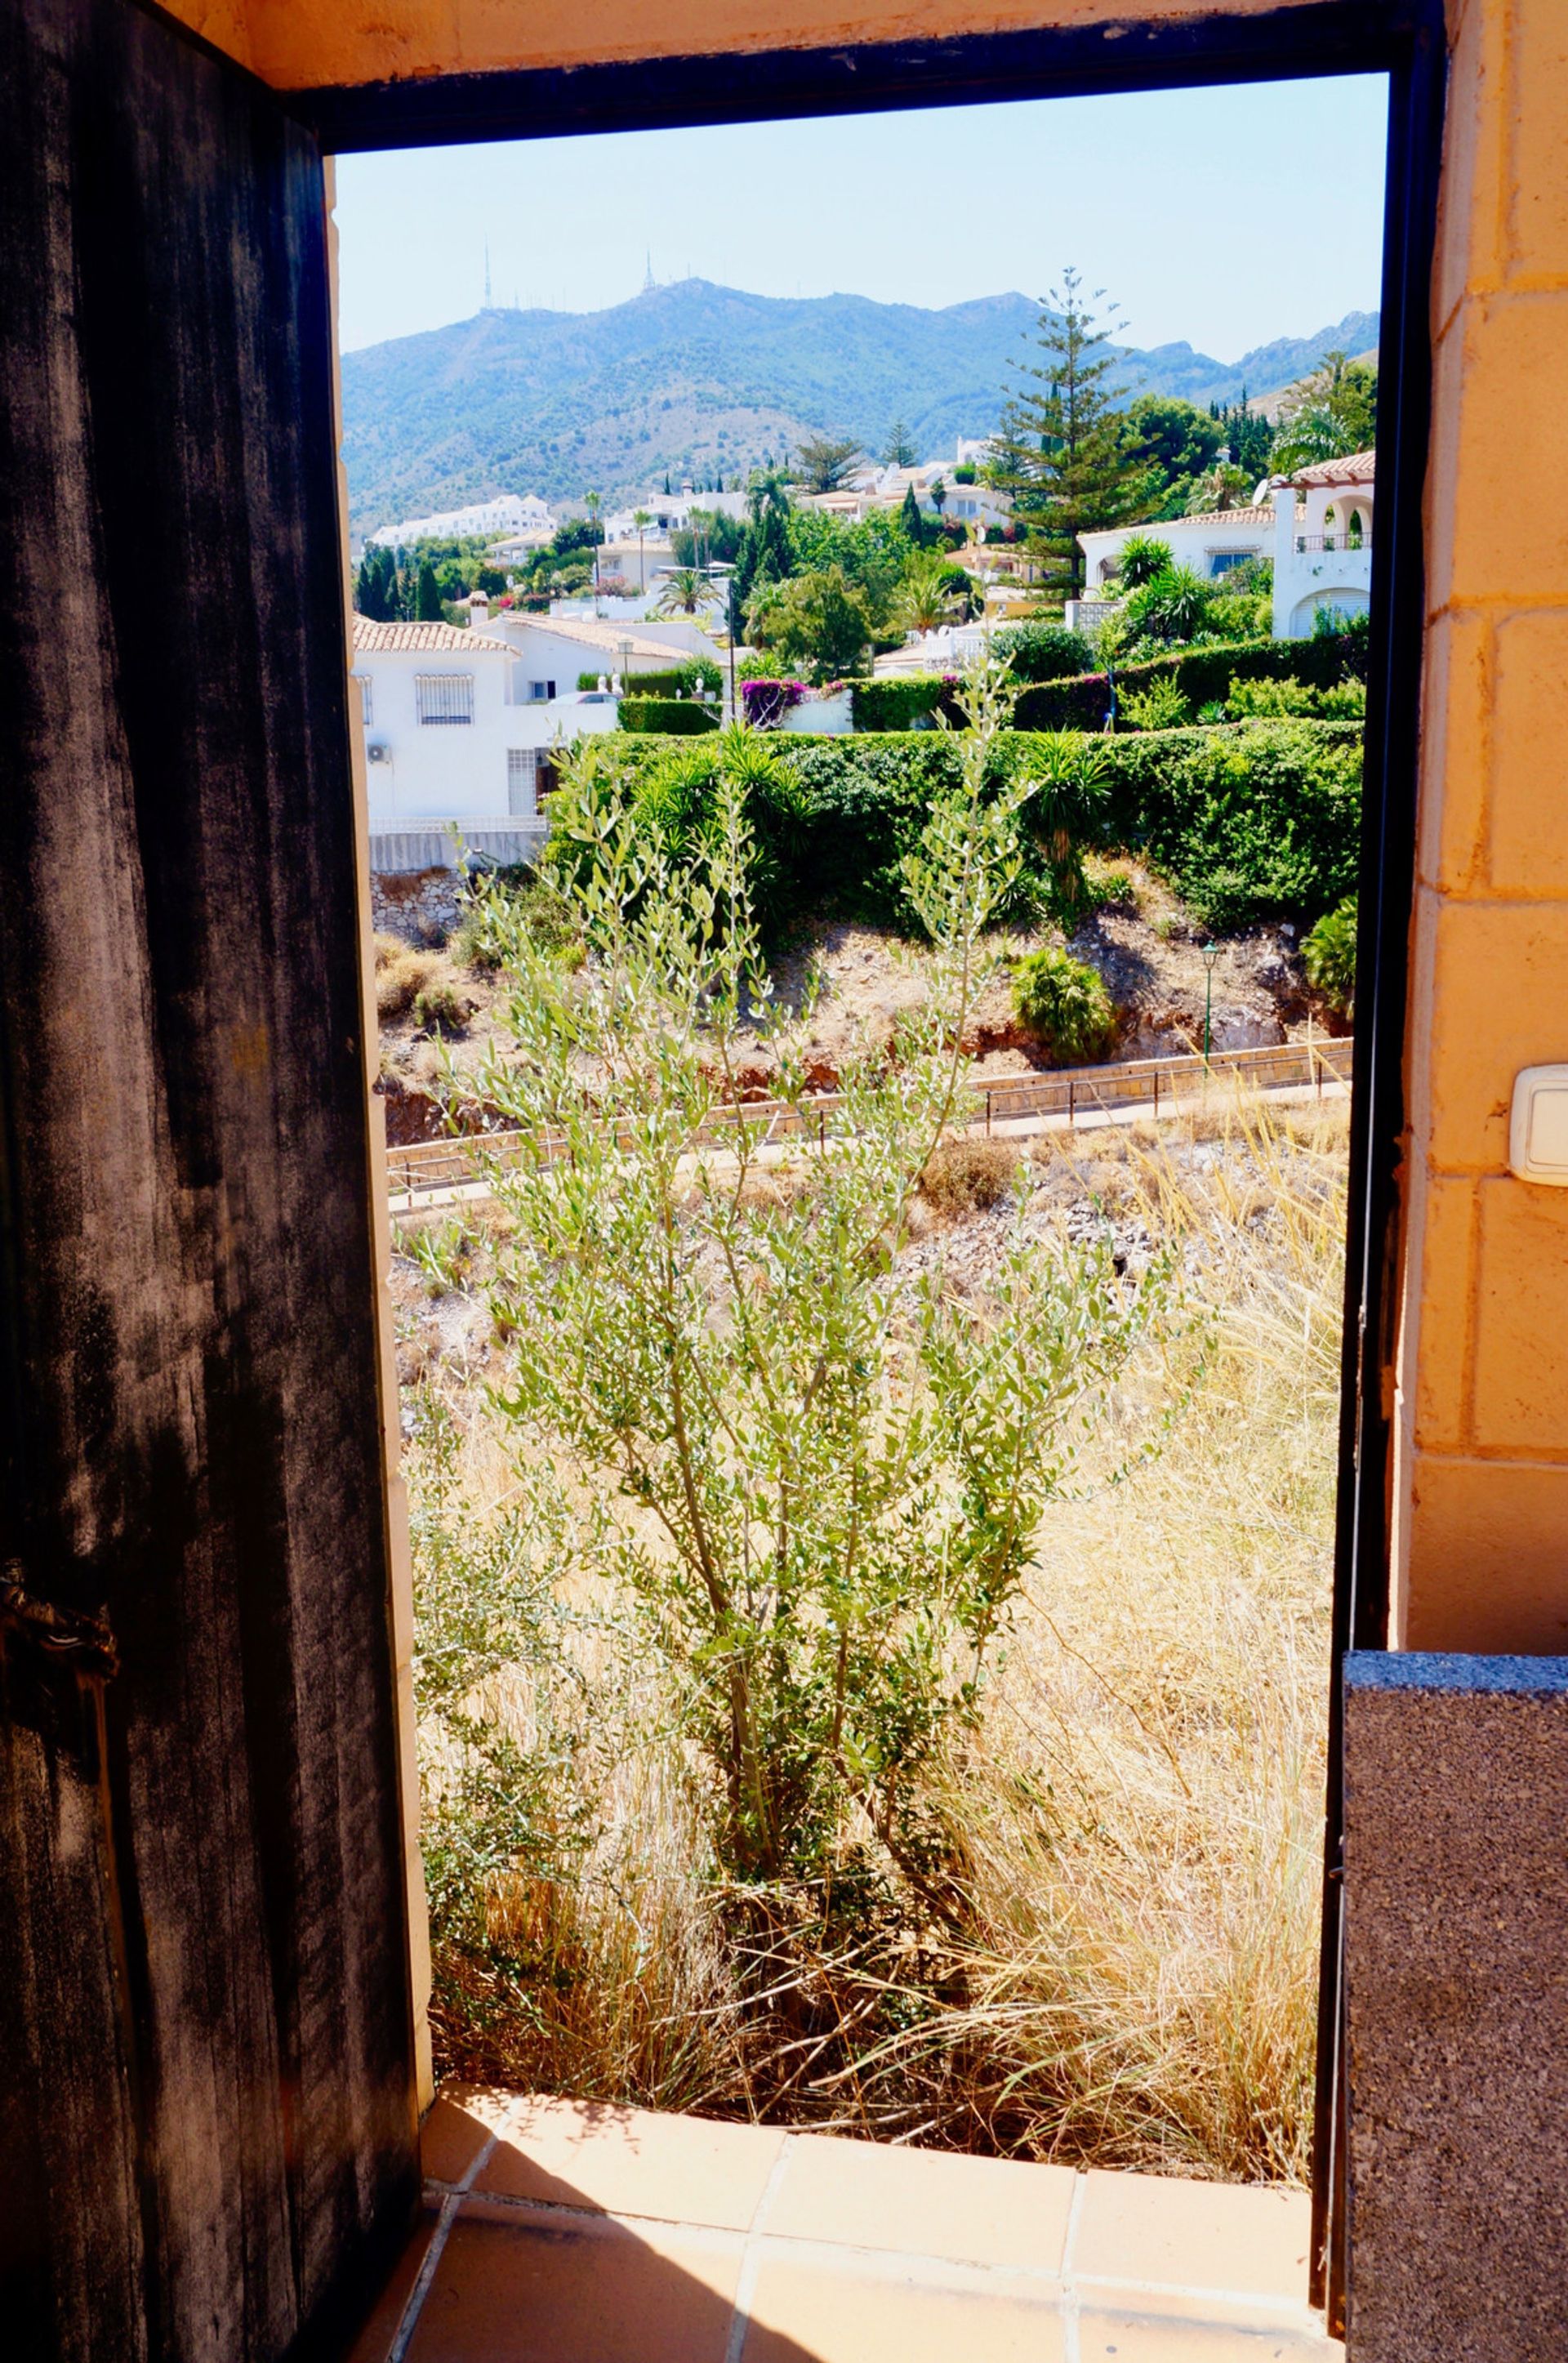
point(541, 692)
point(546, 779)
point(364, 681)
point(1225, 561)
point(522, 763)
point(443, 696)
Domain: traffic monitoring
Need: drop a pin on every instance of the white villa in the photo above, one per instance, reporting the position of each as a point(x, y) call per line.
point(1210, 544)
point(1315, 525)
point(1323, 552)
point(520, 515)
point(460, 727)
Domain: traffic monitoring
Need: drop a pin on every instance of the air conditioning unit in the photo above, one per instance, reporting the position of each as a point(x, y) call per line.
point(377, 752)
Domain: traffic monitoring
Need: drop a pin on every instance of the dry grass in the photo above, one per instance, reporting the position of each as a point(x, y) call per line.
point(1139, 1814)
point(963, 1176)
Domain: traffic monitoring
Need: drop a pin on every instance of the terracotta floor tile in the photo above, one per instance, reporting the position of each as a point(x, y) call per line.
point(521, 2287)
point(1122, 2339)
point(458, 2126)
point(983, 2211)
point(634, 2162)
point(1197, 2236)
point(373, 2341)
point(804, 2313)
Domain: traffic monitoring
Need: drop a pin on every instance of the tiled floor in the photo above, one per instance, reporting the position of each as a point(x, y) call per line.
point(562, 2231)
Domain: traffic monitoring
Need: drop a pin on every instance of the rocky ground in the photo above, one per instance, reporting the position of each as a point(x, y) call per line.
point(1139, 938)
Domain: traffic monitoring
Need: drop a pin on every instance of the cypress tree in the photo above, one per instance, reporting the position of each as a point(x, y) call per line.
point(428, 596)
point(912, 520)
point(1063, 452)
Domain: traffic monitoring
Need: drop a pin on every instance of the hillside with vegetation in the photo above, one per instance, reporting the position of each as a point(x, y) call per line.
point(701, 381)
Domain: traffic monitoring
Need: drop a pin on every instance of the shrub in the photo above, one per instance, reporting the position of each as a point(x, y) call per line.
point(440, 1006)
point(1261, 821)
point(1202, 674)
point(963, 1177)
point(1329, 956)
point(495, 899)
point(1042, 652)
point(401, 980)
point(765, 699)
point(901, 703)
point(1144, 560)
point(669, 717)
point(1063, 1003)
point(1161, 706)
point(1169, 608)
point(700, 674)
point(851, 1484)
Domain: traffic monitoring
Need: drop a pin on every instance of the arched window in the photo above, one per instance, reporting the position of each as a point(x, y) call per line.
point(1355, 532)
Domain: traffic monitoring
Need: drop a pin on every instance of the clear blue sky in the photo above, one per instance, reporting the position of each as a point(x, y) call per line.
point(1227, 217)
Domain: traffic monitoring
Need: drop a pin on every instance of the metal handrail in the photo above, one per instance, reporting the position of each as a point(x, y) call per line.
point(1072, 1091)
point(1341, 542)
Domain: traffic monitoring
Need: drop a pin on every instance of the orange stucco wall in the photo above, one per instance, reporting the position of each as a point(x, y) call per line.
point(1481, 1474)
point(1480, 1479)
point(300, 44)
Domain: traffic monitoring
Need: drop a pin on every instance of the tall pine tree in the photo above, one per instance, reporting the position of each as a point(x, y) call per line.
point(1063, 452)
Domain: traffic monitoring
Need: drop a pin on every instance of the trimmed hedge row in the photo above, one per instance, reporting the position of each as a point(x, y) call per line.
point(669, 717)
point(665, 680)
point(897, 703)
point(1254, 821)
point(1202, 675)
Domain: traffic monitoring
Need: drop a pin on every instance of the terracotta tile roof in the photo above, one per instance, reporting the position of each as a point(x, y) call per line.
point(1258, 515)
point(1355, 468)
point(594, 633)
point(443, 639)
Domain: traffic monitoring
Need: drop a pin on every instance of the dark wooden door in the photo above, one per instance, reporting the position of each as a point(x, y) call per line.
point(206, 2090)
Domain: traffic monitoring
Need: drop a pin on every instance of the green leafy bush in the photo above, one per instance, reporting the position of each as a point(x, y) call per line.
point(1042, 652)
point(898, 705)
point(669, 717)
point(1257, 822)
point(1171, 607)
point(1063, 1003)
point(1329, 956)
point(699, 673)
point(849, 1484)
point(1143, 558)
point(1161, 706)
point(1202, 674)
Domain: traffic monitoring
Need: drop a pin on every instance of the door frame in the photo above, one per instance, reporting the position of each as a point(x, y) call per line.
point(1406, 40)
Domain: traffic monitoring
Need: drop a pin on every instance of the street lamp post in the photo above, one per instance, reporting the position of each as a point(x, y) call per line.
point(1210, 956)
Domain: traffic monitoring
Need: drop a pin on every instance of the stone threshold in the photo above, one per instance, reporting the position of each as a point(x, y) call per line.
point(576, 2231)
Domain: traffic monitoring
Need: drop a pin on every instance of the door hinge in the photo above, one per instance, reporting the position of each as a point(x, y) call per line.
point(67, 1632)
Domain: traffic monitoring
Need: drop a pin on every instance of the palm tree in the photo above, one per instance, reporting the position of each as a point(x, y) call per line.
point(925, 596)
point(686, 589)
point(642, 520)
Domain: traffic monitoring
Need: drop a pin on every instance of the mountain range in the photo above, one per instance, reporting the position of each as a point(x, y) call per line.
point(693, 381)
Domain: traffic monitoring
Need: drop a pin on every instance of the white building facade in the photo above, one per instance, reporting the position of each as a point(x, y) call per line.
point(510, 513)
point(1210, 545)
point(460, 731)
point(1322, 547)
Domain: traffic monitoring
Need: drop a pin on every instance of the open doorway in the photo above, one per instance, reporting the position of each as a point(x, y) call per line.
point(1099, 1846)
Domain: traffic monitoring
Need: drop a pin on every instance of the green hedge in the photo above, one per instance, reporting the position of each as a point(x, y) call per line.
point(1203, 675)
point(1254, 821)
point(896, 703)
point(665, 682)
point(669, 717)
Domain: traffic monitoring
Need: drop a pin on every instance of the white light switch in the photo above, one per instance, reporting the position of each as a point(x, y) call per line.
point(1538, 1133)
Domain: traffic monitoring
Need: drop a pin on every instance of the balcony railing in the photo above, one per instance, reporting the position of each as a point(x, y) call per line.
point(1306, 541)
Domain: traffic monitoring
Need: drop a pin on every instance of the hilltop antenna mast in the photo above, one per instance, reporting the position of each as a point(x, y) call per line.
point(487, 274)
point(649, 282)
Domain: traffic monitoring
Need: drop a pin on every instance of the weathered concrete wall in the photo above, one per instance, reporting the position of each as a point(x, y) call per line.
point(1457, 1778)
point(1480, 1476)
